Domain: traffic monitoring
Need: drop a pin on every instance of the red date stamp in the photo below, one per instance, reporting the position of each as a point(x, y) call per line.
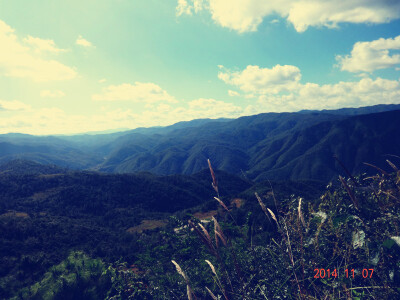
point(348, 273)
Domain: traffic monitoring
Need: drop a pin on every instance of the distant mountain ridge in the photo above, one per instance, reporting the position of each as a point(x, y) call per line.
point(25, 167)
point(266, 146)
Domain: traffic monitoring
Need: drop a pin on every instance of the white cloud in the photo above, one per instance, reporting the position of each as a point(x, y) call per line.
point(233, 93)
point(41, 45)
point(349, 94)
point(258, 80)
point(18, 60)
point(279, 89)
point(247, 15)
point(13, 106)
point(102, 80)
point(83, 42)
point(52, 94)
point(371, 56)
point(183, 8)
point(139, 92)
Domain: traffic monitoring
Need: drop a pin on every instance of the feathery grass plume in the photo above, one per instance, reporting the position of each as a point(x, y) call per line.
point(226, 208)
point(205, 233)
point(222, 238)
point(205, 240)
point(273, 216)
point(222, 203)
point(375, 167)
point(353, 198)
point(262, 206)
point(211, 294)
point(189, 290)
point(301, 217)
point(215, 182)
point(217, 281)
point(180, 271)
point(218, 233)
point(392, 165)
point(216, 225)
point(212, 267)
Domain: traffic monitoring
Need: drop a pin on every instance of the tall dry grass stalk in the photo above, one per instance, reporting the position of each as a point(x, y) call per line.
point(205, 237)
point(273, 216)
point(189, 290)
point(222, 203)
point(349, 191)
point(226, 208)
point(377, 168)
point(290, 252)
point(214, 182)
point(206, 240)
point(264, 209)
point(285, 236)
point(212, 267)
point(218, 281)
point(219, 235)
point(211, 294)
point(301, 217)
point(392, 165)
point(180, 271)
point(206, 234)
point(346, 170)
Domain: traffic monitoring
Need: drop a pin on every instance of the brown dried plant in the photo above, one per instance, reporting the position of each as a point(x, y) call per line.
point(189, 290)
point(214, 182)
point(349, 191)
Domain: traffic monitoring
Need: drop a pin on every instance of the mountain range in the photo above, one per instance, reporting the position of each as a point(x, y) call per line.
point(277, 146)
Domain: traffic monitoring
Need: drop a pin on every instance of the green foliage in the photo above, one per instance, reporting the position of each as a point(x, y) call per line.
point(359, 238)
point(77, 277)
point(354, 225)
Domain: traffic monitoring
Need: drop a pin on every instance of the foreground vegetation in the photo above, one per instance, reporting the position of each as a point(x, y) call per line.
point(344, 244)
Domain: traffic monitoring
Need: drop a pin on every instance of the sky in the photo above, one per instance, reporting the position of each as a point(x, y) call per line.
point(73, 66)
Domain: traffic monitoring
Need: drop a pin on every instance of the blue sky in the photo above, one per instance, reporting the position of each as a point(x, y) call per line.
point(77, 66)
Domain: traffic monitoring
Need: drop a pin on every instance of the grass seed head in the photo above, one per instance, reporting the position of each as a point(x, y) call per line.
point(211, 294)
point(222, 203)
point(205, 233)
point(272, 215)
point(212, 267)
point(392, 165)
point(221, 237)
point(180, 271)
point(262, 205)
point(301, 217)
point(214, 182)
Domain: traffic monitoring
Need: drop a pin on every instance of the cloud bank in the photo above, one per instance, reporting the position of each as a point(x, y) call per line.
point(278, 89)
point(247, 15)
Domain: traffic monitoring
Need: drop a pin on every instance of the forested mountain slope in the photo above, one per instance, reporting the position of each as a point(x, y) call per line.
point(266, 146)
